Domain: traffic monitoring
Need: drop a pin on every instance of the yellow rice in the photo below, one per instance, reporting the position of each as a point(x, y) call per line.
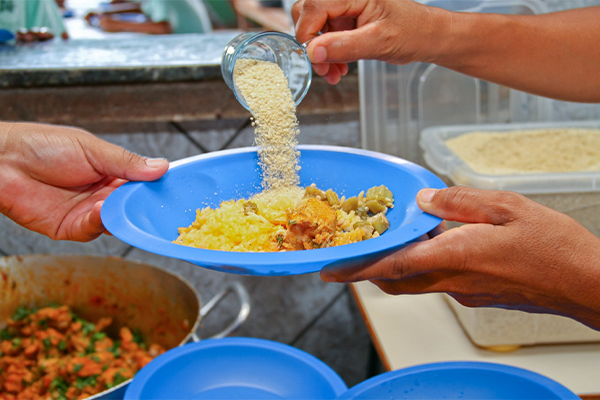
point(228, 228)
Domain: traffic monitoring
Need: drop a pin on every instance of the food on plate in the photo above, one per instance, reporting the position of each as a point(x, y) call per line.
point(290, 219)
point(51, 353)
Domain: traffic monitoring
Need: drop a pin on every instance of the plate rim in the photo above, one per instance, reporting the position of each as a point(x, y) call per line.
point(135, 388)
point(555, 387)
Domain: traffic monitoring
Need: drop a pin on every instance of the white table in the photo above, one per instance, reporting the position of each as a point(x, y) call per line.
point(417, 329)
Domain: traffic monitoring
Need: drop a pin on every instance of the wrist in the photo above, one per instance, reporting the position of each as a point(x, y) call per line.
point(436, 38)
point(463, 41)
point(580, 285)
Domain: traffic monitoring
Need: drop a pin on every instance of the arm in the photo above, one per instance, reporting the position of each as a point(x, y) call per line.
point(54, 179)
point(553, 55)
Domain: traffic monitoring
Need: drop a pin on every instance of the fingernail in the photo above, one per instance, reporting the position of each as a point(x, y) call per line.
point(427, 195)
point(320, 54)
point(155, 162)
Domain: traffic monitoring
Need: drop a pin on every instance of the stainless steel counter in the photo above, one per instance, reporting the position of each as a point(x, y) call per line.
point(163, 58)
point(136, 79)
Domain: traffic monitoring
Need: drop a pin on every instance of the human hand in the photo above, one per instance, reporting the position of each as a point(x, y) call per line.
point(398, 31)
point(33, 35)
point(513, 253)
point(54, 179)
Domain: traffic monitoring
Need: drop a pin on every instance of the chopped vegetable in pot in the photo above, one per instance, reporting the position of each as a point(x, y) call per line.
point(51, 353)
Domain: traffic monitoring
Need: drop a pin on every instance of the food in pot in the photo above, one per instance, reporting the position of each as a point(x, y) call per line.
point(290, 219)
point(51, 353)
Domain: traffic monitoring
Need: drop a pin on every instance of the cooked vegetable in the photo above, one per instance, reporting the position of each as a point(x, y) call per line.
point(332, 198)
point(51, 353)
point(350, 204)
point(380, 223)
point(381, 194)
point(323, 221)
point(312, 191)
point(375, 207)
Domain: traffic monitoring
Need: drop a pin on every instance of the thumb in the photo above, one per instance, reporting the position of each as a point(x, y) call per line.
point(468, 205)
point(115, 161)
point(345, 46)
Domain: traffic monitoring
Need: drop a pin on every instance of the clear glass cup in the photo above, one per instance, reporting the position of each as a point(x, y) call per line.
point(277, 47)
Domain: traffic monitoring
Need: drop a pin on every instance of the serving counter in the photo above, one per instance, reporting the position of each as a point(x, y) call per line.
point(135, 79)
point(417, 329)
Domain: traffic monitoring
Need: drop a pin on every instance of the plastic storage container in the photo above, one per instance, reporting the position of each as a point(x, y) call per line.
point(575, 193)
point(398, 102)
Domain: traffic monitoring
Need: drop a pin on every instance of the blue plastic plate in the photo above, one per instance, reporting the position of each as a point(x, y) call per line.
point(147, 214)
point(459, 380)
point(235, 368)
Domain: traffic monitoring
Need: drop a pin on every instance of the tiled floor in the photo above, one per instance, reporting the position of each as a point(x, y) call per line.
point(303, 311)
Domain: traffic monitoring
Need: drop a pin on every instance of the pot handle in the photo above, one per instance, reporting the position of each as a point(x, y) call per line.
point(242, 295)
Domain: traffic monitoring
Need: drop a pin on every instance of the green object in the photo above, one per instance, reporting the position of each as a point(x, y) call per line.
point(184, 16)
point(28, 14)
point(222, 13)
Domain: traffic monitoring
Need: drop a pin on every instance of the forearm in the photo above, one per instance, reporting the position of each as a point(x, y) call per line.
point(554, 55)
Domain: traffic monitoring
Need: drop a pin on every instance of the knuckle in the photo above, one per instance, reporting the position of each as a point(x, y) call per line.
point(130, 158)
point(310, 5)
point(399, 268)
point(505, 204)
point(455, 195)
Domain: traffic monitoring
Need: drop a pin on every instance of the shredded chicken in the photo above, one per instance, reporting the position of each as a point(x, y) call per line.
point(312, 225)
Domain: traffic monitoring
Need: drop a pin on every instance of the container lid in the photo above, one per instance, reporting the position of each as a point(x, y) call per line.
point(444, 161)
point(235, 368)
point(459, 380)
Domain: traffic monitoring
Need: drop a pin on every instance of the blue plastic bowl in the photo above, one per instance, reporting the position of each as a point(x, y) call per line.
point(147, 214)
point(460, 380)
point(235, 368)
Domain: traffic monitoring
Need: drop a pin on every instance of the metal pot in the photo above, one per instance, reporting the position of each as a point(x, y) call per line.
point(164, 307)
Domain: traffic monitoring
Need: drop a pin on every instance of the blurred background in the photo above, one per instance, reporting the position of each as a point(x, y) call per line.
point(146, 76)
